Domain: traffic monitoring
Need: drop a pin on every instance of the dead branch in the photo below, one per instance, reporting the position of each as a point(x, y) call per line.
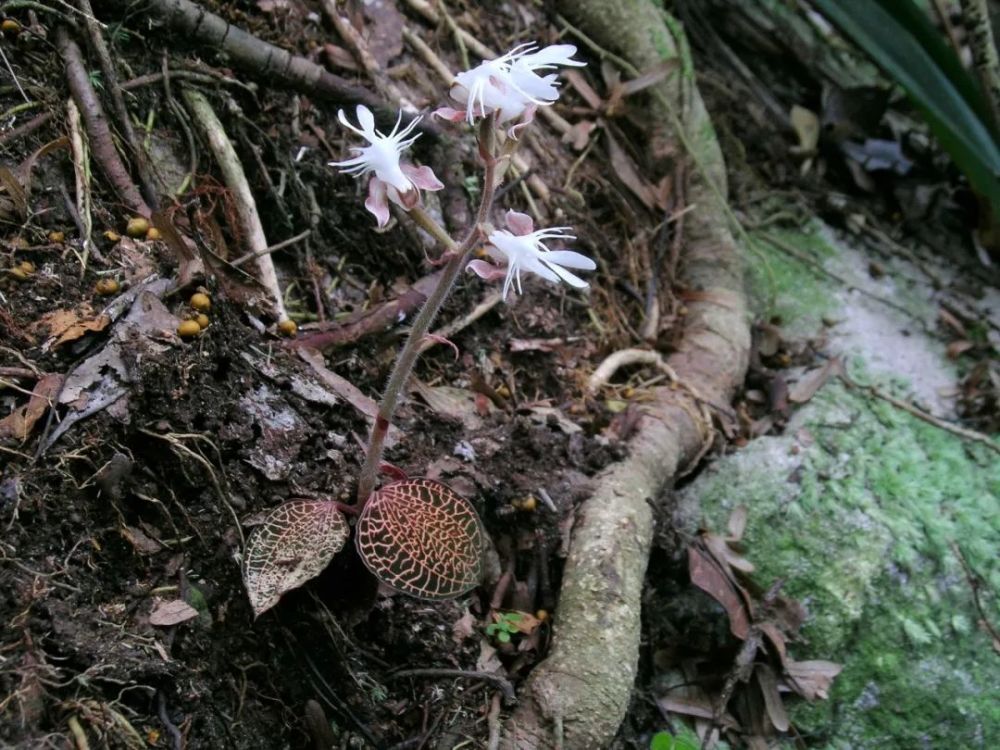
point(577, 697)
point(236, 181)
point(102, 144)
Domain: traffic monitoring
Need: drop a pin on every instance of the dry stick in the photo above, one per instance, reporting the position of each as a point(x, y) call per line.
point(377, 320)
point(425, 318)
point(272, 249)
point(359, 47)
point(82, 184)
point(236, 181)
point(954, 429)
point(102, 144)
point(583, 685)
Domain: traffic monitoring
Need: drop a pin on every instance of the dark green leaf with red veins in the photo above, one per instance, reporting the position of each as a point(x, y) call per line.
point(295, 542)
point(422, 538)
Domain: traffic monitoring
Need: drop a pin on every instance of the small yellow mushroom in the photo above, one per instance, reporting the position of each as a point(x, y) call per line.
point(526, 504)
point(153, 234)
point(111, 236)
point(287, 328)
point(27, 266)
point(56, 237)
point(503, 391)
point(200, 302)
point(202, 321)
point(542, 615)
point(137, 227)
point(188, 329)
point(107, 287)
point(10, 25)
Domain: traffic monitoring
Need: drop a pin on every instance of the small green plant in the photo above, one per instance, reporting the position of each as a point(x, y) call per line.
point(505, 626)
point(666, 741)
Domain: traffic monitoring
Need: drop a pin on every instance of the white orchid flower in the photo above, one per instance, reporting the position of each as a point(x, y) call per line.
point(393, 180)
point(523, 248)
point(510, 85)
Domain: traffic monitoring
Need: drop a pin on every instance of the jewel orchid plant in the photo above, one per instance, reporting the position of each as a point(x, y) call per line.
point(418, 536)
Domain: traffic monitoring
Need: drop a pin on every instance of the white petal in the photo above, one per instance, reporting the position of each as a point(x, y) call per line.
point(554, 54)
point(366, 119)
point(569, 259)
point(538, 268)
point(569, 278)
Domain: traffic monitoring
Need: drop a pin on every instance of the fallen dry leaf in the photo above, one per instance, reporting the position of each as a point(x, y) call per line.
point(174, 612)
point(19, 423)
point(768, 683)
point(811, 679)
point(701, 709)
point(810, 383)
point(62, 326)
point(707, 575)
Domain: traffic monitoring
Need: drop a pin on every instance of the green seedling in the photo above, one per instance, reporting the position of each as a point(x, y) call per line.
point(505, 626)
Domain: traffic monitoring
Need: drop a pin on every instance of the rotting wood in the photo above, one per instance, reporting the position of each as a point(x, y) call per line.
point(578, 696)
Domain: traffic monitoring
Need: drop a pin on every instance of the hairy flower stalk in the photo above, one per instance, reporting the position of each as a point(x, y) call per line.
point(407, 358)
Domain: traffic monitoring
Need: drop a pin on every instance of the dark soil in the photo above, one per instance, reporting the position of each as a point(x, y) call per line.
point(138, 503)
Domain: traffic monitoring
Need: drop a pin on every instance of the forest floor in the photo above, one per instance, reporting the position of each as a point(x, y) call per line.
point(135, 462)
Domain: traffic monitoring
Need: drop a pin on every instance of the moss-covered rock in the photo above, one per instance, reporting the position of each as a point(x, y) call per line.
point(862, 509)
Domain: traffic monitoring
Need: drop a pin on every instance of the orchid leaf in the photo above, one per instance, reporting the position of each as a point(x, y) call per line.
point(902, 41)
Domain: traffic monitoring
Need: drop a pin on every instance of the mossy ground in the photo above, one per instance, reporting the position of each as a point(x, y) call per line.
point(860, 507)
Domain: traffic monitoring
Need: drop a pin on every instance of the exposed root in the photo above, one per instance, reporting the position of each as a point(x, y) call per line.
point(247, 52)
point(102, 144)
point(236, 181)
point(577, 697)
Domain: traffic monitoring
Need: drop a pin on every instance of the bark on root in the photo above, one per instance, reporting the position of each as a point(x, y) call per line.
point(257, 57)
point(578, 696)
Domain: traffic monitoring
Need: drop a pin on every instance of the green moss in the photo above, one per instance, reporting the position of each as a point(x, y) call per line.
point(862, 531)
point(786, 288)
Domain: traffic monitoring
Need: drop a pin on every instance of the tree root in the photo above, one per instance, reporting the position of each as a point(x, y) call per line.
point(236, 181)
point(101, 142)
point(578, 696)
point(258, 57)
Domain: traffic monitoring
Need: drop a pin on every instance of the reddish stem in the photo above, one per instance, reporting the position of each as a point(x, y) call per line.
point(425, 318)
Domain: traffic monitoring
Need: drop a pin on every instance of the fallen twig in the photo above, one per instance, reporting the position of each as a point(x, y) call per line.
point(102, 144)
point(236, 181)
point(954, 429)
point(273, 248)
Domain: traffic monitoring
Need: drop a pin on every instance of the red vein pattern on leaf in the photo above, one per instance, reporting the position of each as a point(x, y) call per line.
point(293, 544)
point(421, 538)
